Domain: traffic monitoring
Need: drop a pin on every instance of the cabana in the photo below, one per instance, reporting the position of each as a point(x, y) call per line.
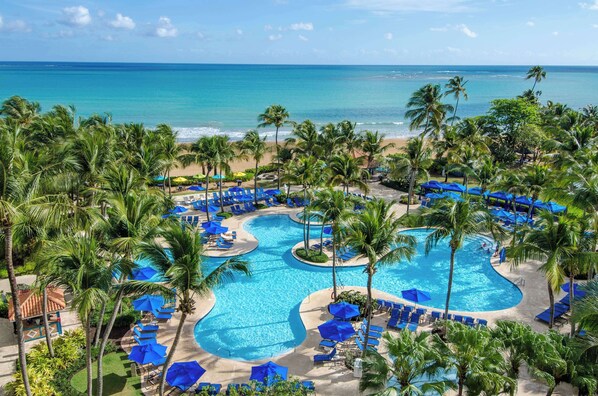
point(551, 206)
point(431, 185)
point(500, 196)
point(477, 191)
point(456, 187)
point(31, 311)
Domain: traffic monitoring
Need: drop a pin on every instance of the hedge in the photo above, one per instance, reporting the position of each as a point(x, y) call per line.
point(313, 256)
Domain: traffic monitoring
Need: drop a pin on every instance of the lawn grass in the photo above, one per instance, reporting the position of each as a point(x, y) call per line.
point(117, 377)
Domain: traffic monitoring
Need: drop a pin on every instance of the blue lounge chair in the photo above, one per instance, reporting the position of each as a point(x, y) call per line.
point(327, 344)
point(373, 334)
point(238, 388)
point(436, 315)
point(146, 328)
point(482, 322)
point(559, 311)
point(162, 316)
point(394, 322)
point(169, 310)
point(222, 245)
point(371, 341)
point(414, 322)
point(144, 341)
point(458, 318)
point(469, 321)
point(143, 336)
point(421, 311)
point(325, 358)
point(360, 345)
point(290, 203)
point(212, 389)
point(378, 329)
point(308, 386)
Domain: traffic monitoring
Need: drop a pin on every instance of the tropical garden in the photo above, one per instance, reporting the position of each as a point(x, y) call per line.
point(79, 205)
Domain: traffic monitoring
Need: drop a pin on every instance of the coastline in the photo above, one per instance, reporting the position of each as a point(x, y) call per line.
point(241, 165)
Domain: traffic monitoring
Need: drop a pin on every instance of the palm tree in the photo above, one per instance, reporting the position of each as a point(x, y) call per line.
point(182, 266)
point(346, 170)
point(79, 264)
point(425, 108)
point(537, 73)
point(534, 180)
point(552, 242)
point(517, 343)
point(455, 221)
point(476, 357)
point(375, 236)
point(225, 152)
point(254, 146)
point(335, 210)
point(456, 87)
point(373, 147)
point(412, 163)
point(170, 151)
point(465, 161)
point(349, 137)
point(413, 358)
point(278, 116)
point(306, 139)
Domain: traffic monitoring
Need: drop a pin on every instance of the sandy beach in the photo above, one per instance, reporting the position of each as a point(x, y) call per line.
point(243, 164)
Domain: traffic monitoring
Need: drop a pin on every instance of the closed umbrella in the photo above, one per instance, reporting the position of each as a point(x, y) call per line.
point(344, 310)
point(184, 375)
point(336, 330)
point(143, 274)
point(502, 256)
point(269, 373)
point(178, 209)
point(149, 353)
point(148, 303)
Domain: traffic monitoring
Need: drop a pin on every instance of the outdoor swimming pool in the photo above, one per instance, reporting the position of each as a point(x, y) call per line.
point(258, 317)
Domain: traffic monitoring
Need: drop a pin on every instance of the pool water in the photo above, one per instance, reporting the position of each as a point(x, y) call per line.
point(258, 317)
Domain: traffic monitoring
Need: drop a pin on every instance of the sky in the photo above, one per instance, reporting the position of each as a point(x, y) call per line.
point(435, 32)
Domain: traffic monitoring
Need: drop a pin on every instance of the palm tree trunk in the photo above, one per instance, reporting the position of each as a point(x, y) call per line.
point(45, 320)
point(460, 386)
point(531, 209)
point(12, 279)
point(255, 182)
point(207, 185)
point(221, 200)
point(322, 236)
point(449, 288)
point(169, 184)
point(88, 363)
point(175, 342)
point(107, 330)
point(455, 112)
point(410, 192)
point(334, 295)
point(534, 86)
point(551, 300)
point(368, 308)
point(305, 236)
point(308, 227)
point(277, 158)
point(99, 325)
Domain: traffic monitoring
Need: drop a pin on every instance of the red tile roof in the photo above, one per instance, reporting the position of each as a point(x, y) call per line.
point(31, 303)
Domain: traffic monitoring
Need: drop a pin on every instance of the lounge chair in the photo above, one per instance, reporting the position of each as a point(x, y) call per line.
point(458, 318)
point(212, 389)
point(325, 358)
point(327, 344)
point(371, 341)
point(482, 323)
point(162, 316)
point(308, 386)
point(143, 336)
point(220, 244)
point(559, 311)
point(360, 345)
point(414, 322)
point(436, 316)
point(469, 321)
point(154, 376)
point(373, 334)
point(144, 341)
point(397, 321)
point(378, 329)
point(147, 327)
point(164, 310)
point(290, 203)
point(238, 388)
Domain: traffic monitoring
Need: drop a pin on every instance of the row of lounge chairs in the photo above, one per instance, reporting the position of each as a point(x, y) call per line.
point(346, 253)
point(296, 203)
point(397, 309)
point(560, 309)
point(358, 195)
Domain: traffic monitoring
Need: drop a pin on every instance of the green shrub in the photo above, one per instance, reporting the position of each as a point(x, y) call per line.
point(356, 298)
point(26, 269)
point(262, 206)
point(3, 305)
point(226, 215)
point(289, 387)
point(400, 185)
point(261, 169)
point(313, 256)
point(126, 319)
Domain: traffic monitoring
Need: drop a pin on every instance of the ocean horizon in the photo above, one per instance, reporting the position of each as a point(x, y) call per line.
point(205, 99)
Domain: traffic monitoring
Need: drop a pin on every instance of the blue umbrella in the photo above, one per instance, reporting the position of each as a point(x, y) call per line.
point(216, 229)
point(577, 292)
point(159, 178)
point(196, 188)
point(235, 189)
point(523, 200)
point(344, 310)
point(218, 177)
point(502, 256)
point(432, 185)
point(149, 353)
point(184, 375)
point(178, 209)
point(208, 224)
point(416, 295)
point(476, 191)
point(209, 208)
point(327, 230)
point(452, 196)
point(143, 274)
point(272, 192)
point(503, 196)
point(148, 303)
point(500, 213)
point(269, 373)
point(336, 330)
point(453, 187)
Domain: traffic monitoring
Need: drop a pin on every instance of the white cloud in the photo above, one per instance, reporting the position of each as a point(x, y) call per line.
point(77, 16)
point(267, 27)
point(302, 26)
point(1, 22)
point(108, 37)
point(530, 23)
point(239, 32)
point(595, 26)
point(590, 6)
point(390, 6)
point(388, 36)
point(165, 28)
point(466, 31)
point(555, 33)
point(17, 25)
point(123, 22)
point(274, 37)
point(303, 38)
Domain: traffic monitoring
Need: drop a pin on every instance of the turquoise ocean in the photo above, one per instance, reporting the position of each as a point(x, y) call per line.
point(199, 99)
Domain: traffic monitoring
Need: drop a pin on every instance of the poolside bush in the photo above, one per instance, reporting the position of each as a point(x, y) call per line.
point(125, 319)
point(400, 185)
point(226, 215)
point(313, 256)
point(289, 387)
point(26, 269)
point(356, 298)
point(261, 169)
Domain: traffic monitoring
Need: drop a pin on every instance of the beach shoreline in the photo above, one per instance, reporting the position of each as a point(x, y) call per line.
point(240, 165)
